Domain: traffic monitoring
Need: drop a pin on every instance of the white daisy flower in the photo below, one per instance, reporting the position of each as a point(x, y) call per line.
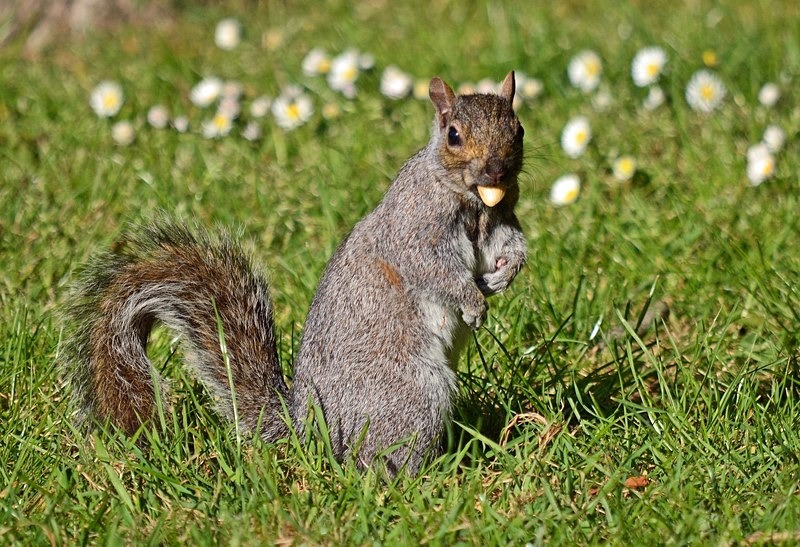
point(421, 88)
point(292, 108)
point(395, 84)
point(769, 94)
point(624, 167)
point(774, 138)
point(655, 98)
point(260, 106)
point(366, 61)
point(344, 73)
point(106, 99)
point(232, 89)
point(760, 167)
point(229, 107)
point(528, 89)
point(252, 131)
point(584, 70)
point(757, 151)
point(486, 86)
point(331, 111)
point(316, 62)
point(467, 88)
point(576, 136)
point(181, 124)
point(565, 189)
point(228, 34)
point(218, 126)
point(206, 91)
point(158, 116)
point(601, 101)
point(705, 91)
point(647, 65)
point(123, 133)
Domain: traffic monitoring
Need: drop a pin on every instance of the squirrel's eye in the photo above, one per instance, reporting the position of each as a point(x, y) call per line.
point(453, 137)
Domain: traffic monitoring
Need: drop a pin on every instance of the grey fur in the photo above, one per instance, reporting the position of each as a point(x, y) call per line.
point(391, 312)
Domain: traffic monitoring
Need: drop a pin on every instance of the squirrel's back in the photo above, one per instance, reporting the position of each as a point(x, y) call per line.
point(202, 286)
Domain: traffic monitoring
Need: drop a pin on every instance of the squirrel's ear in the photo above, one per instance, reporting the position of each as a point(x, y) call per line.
point(507, 87)
point(442, 98)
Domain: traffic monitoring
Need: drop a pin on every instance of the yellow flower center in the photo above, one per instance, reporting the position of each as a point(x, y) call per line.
point(651, 69)
point(626, 166)
point(293, 111)
point(350, 73)
point(592, 67)
point(110, 101)
point(768, 168)
point(571, 195)
point(324, 66)
point(220, 121)
point(580, 137)
point(707, 92)
point(709, 58)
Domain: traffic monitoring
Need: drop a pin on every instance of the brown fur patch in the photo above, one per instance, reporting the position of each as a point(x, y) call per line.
point(391, 274)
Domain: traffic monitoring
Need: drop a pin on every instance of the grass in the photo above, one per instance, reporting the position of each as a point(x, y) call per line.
point(689, 433)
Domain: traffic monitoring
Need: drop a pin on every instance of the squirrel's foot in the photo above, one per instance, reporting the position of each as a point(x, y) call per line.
point(474, 315)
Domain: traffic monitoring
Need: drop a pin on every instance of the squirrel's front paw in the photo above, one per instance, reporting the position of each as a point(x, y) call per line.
point(474, 315)
point(498, 280)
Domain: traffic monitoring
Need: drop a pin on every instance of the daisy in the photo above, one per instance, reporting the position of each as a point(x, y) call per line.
point(757, 151)
point(601, 101)
point(584, 70)
point(421, 88)
point(158, 116)
point(344, 73)
point(331, 111)
point(647, 66)
point(624, 167)
point(106, 99)
point(218, 126)
point(576, 136)
point(316, 62)
point(710, 58)
point(395, 84)
point(565, 189)
point(123, 133)
point(760, 166)
point(769, 94)
point(206, 91)
point(181, 124)
point(705, 91)
point(655, 98)
point(487, 86)
point(366, 61)
point(774, 138)
point(230, 107)
point(232, 89)
point(252, 131)
point(260, 106)
point(292, 108)
point(528, 89)
point(467, 88)
point(228, 34)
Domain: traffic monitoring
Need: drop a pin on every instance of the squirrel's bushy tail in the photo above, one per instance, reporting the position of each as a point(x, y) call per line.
point(193, 283)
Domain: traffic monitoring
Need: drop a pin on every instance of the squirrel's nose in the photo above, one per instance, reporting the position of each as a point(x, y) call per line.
point(495, 170)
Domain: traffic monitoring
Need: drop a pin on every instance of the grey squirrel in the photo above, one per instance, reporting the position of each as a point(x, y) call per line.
point(392, 310)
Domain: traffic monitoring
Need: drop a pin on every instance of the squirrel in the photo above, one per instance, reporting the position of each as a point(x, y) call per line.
point(393, 308)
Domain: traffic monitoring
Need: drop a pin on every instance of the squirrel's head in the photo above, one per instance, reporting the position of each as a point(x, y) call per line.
point(479, 139)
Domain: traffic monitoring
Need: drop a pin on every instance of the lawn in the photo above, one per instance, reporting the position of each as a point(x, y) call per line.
point(579, 422)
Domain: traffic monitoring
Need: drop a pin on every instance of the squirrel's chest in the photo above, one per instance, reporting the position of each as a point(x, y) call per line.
point(448, 330)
